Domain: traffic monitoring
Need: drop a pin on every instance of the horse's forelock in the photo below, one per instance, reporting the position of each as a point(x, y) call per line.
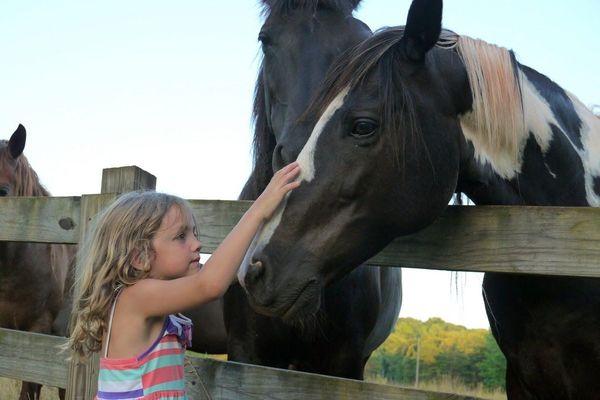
point(285, 7)
point(352, 68)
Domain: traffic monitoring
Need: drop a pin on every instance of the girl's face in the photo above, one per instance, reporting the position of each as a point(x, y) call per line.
point(176, 246)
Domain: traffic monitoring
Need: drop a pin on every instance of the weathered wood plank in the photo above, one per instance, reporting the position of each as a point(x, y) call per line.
point(36, 358)
point(533, 240)
point(40, 219)
point(215, 219)
point(538, 240)
point(83, 374)
point(33, 357)
point(229, 380)
point(126, 179)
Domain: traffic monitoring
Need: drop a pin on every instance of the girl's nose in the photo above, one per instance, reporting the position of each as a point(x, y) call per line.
point(197, 245)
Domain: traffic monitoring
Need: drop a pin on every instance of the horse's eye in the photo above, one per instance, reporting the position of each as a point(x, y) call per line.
point(364, 127)
point(4, 191)
point(264, 39)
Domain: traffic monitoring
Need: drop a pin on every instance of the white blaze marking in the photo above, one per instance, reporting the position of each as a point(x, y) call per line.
point(307, 173)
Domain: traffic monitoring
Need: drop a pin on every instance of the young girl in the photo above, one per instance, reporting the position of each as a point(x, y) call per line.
point(141, 267)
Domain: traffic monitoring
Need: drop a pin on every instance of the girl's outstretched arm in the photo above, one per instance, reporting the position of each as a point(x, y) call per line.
point(156, 297)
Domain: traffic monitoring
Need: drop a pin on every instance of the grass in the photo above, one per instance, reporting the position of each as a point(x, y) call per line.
point(10, 390)
point(450, 385)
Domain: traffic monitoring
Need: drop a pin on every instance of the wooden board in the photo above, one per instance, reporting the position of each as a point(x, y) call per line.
point(33, 357)
point(229, 380)
point(36, 358)
point(533, 240)
point(40, 219)
point(538, 240)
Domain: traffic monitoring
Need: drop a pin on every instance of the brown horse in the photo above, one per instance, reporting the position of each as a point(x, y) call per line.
point(33, 276)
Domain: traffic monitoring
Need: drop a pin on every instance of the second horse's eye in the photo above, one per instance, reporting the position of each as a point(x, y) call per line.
point(364, 127)
point(264, 39)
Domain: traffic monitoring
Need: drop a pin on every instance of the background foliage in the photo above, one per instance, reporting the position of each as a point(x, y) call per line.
point(446, 351)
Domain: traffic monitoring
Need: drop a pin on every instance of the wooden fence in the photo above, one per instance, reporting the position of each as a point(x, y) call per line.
point(529, 240)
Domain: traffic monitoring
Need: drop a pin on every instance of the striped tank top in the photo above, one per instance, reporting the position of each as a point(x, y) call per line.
point(156, 374)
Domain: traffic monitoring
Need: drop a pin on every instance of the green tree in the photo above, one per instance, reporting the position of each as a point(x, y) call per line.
point(492, 365)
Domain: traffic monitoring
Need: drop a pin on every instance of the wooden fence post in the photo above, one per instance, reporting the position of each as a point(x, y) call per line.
point(83, 376)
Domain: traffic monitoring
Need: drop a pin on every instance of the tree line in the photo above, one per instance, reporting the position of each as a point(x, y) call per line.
point(443, 350)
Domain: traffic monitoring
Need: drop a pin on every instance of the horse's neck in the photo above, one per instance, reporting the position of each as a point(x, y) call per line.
point(559, 157)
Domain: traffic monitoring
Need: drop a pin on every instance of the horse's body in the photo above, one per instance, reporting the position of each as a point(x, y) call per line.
point(33, 276)
point(300, 40)
point(411, 123)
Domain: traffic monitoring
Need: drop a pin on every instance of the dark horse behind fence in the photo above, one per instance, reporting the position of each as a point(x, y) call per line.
point(404, 124)
point(33, 276)
point(300, 40)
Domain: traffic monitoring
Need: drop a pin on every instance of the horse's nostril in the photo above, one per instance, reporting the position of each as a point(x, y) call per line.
point(256, 270)
point(279, 159)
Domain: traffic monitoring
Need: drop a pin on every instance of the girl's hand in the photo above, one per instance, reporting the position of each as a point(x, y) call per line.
point(281, 183)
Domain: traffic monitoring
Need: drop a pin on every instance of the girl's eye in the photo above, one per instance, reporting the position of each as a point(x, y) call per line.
point(181, 235)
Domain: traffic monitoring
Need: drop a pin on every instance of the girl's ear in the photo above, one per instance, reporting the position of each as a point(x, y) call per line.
point(141, 259)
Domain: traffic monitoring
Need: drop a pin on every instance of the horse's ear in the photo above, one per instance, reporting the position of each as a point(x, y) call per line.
point(423, 28)
point(16, 143)
point(355, 4)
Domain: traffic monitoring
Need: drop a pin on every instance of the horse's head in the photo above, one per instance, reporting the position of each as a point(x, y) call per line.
point(10, 154)
point(382, 161)
point(300, 40)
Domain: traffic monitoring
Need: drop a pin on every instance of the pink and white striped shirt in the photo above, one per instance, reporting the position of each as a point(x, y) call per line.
point(156, 374)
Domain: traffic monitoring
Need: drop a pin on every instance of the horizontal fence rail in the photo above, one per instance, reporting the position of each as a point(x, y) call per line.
point(528, 240)
point(33, 357)
point(37, 358)
point(40, 219)
point(230, 380)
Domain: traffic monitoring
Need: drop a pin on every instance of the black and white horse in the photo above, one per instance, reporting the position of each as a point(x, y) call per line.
point(409, 117)
point(300, 39)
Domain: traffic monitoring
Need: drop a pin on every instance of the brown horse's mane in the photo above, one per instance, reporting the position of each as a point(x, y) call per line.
point(26, 182)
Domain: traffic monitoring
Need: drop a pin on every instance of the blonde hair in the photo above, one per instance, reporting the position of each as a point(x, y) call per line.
point(121, 233)
point(496, 124)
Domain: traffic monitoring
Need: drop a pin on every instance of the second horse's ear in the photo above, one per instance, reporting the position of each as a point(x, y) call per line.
point(16, 143)
point(423, 28)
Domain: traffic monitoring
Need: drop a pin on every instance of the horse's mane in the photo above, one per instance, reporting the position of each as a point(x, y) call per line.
point(497, 108)
point(496, 122)
point(285, 7)
point(27, 182)
point(263, 144)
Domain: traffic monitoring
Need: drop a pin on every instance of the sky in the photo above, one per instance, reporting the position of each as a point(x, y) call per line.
point(167, 86)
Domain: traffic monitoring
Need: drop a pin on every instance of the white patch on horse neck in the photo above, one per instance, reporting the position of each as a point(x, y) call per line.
point(307, 173)
point(590, 155)
point(537, 119)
